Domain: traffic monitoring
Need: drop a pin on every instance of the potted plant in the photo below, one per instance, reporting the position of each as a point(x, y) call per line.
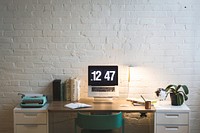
point(178, 94)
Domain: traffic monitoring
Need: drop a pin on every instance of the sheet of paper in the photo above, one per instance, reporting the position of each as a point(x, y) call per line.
point(77, 105)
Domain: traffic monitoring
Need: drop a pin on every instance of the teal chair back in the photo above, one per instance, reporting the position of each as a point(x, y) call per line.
point(99, 122)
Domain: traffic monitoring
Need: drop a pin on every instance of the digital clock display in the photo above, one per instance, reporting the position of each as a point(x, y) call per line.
point(102, 75)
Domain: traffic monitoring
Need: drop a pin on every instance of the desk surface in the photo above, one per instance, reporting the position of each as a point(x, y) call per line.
point(116, 106)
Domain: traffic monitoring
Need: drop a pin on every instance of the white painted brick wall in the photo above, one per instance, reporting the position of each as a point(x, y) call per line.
point(41, 40)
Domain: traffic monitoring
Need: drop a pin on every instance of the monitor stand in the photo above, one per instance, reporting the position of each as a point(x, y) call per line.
point(103, 100)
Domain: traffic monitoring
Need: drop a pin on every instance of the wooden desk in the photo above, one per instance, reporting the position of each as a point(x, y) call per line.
point(62, 119)
point(115, 106)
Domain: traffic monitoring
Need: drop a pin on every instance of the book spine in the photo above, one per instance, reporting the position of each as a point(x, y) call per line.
point(72, 84)
point(57, 90)
point(67, 90)
point(62, 92)
point(78, 90)
point(75, 89)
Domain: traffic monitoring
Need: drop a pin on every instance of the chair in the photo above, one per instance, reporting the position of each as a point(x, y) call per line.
point(99, 122)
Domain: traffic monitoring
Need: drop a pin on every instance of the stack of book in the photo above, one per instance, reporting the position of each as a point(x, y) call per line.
point(68, 90)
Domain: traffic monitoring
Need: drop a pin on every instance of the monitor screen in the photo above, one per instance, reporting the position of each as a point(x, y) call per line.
point(102, 75)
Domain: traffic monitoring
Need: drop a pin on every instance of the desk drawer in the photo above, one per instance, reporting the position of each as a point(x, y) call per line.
point(31, 129)
point(171, 129)
point(31, 118)
point(172, 118)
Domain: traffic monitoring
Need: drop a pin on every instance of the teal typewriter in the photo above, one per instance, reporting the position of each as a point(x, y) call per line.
point(32, 100)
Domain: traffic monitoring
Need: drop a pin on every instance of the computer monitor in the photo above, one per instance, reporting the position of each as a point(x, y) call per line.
point(103, 81)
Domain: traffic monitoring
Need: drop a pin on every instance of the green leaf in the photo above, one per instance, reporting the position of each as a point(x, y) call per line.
point(180, 99)
point(184, 95)
point(186, 98)
point(171, 88)
point(178, 87)
point(185, 88)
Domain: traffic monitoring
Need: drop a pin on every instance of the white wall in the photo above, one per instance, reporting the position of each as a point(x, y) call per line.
point(41, 40)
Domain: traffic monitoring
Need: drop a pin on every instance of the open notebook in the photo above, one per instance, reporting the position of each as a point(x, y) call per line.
point(77, 105)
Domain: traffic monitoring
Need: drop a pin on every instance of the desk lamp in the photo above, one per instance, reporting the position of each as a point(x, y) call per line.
point(130, 77)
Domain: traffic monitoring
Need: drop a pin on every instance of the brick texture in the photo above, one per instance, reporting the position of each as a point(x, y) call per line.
point(41, 40)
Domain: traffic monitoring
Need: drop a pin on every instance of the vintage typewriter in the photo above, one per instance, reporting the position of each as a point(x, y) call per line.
point(32, 100)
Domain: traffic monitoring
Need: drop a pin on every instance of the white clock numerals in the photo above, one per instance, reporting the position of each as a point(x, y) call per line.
point(109, 76)
point(112, 75)
point(96, 75)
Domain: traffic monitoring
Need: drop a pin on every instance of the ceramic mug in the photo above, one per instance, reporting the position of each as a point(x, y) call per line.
point(147, 104)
